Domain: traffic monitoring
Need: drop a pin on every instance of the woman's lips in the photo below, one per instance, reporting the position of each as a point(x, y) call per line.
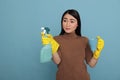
point(67, 28)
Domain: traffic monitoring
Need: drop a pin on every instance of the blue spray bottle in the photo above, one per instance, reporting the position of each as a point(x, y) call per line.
point(46, 50)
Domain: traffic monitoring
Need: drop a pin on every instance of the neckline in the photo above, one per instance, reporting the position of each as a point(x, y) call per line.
point(70, 35)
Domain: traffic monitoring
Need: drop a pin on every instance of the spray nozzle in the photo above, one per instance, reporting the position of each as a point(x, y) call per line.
point(45, 30)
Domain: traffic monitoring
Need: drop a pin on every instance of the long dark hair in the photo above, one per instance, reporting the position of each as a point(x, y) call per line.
point(75, 14)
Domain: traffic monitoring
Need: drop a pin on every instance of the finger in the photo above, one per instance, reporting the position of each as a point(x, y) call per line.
point(42, 34)
point(98, 37)
point(49, 36)
point(100, 41)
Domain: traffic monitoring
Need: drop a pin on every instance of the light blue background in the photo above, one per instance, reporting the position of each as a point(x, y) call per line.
point(20, 42)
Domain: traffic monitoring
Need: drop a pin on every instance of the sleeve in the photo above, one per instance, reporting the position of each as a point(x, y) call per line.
point(88, 51)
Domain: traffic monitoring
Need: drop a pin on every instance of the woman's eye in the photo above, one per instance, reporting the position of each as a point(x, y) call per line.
point(72, 21)
point(64, 20)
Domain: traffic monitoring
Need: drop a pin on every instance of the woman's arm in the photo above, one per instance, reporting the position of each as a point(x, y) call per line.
point(92, 62)
point(56, 58)
point(97, 52)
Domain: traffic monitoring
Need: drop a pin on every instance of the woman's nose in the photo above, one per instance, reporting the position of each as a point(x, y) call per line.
point(67, 24)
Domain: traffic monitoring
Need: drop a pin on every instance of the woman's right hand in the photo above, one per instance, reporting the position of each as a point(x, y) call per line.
point(48, 39)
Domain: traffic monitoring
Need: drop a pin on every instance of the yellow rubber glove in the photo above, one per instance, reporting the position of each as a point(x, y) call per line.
point(48, 39)
point(100, 46)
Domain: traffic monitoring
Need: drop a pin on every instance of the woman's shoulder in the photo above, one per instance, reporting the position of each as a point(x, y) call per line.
point(58, 37)
point(85, 39)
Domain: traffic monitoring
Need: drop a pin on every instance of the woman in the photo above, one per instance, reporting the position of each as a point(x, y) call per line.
point(71, 51)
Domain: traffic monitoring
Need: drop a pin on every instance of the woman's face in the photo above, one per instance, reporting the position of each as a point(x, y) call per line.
point(69, 23)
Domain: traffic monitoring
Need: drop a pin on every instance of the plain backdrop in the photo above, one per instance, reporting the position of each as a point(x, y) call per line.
point(20, 40)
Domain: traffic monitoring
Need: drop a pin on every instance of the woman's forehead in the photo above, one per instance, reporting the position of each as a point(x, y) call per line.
point(68, 16)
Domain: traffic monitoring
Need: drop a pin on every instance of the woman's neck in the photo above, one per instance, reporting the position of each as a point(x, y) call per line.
point(70, 35)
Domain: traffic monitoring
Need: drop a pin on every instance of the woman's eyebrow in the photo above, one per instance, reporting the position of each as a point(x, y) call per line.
point(70, 19)
point(64, 18)
point(73, 19)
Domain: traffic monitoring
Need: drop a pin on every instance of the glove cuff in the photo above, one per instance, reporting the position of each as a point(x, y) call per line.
point(96, 54)
point(55, 46)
